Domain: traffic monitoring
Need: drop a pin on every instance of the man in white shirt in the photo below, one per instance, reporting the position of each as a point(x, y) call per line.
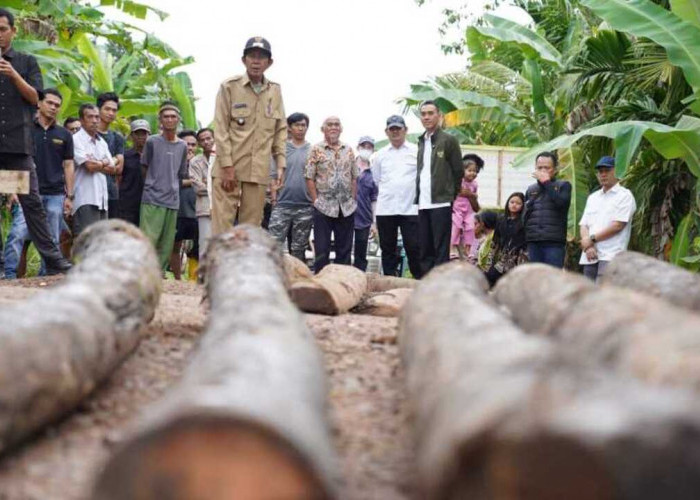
point(606, 224)
point(92, 162)
point(394, 171)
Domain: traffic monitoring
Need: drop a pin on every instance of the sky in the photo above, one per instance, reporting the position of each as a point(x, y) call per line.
point(349, 58)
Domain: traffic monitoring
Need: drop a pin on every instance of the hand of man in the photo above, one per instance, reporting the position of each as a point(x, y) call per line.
point(591, 254)
point(373, 231)
point(280, 179)
point(228, 179)
point(586, 243)
point(541, 176)
point(67, 207)
point(7, 70)
point(273, 194)
point(11, 200)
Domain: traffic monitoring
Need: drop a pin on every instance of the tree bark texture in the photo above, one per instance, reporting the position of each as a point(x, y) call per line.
point(58, 345)
point(655, 277)
point(501, 415)
point(249, 415)
point(335, 290)
point(386, 304)
point(296, 270)
point(622, 329)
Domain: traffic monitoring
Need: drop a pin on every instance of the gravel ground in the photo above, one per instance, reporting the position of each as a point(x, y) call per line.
point(366, 402)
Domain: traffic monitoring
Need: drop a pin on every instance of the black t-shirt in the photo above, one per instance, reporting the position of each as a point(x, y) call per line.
point(131, 187)
point(115, 143)
point(15, 112)
point(51, 147)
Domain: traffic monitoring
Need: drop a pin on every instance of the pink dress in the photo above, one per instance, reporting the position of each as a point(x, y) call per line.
point(463, 217)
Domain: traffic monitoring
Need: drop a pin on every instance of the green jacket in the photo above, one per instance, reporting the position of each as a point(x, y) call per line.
point(446, 170)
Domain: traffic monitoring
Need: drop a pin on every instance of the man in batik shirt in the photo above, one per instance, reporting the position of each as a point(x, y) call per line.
point(331, 178)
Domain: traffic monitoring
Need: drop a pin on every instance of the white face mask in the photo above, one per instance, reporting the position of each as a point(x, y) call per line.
point(364, 153)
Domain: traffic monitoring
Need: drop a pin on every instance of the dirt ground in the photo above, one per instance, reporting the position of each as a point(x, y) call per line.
point(367, 403)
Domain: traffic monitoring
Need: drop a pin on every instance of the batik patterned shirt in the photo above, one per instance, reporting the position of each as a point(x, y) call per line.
point(334, 171)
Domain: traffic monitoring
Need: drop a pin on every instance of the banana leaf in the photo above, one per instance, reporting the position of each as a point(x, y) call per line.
point(532, 71)
point(530, 42)
point(139, 107)
point(681, 241)
point(681, 141)
point(101, 72)
point(643, 18)
point(476, 115)
point(687, 9)
point(453, 99)
point(181, 91)
point(135, 9)
point(575, 171)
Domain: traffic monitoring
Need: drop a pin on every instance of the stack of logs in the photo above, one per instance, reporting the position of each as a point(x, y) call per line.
point(547, 388)
point(598, 402)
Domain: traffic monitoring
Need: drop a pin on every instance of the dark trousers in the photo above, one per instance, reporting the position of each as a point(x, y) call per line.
point(388, 227)
point(361, 240)
point(33, 208)
point(113, 209)
point(434, 231)
point(547, 253)
point(342, 228)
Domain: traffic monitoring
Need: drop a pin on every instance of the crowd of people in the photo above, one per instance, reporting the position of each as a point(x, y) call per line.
point(255, 156)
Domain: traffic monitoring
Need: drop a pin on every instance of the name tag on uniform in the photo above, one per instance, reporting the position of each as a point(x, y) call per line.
point(57, 141)
point(240, 105)
point(14, 182)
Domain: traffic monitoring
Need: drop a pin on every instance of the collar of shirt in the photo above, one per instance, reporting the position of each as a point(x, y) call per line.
point(83, 135)
point(9, 53)
point(245, 80)
point(38, 124)
point(339, 146)
point(403, 146)
point(613, 189)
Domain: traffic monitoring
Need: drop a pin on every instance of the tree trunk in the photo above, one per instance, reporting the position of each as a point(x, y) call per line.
point(379, 283)
point(386, 304)
point(249, 414)
point(655, 277)
point(58, 345)
point(622, 329)
point(296, 270)
point(500, 415)
point(335, 290)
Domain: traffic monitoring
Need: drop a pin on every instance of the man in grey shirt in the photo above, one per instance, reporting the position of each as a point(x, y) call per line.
point(165, 162)
point(292, 213)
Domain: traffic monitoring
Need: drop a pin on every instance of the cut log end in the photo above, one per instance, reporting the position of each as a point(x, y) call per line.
point(210, 458)
point(532, 467)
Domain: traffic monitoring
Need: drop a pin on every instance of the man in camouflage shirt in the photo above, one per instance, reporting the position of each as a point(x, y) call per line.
point(292, 214)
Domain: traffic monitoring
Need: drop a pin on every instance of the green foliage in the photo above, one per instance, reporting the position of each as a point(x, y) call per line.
point(83, 53)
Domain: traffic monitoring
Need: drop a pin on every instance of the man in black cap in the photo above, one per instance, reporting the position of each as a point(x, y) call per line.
point(606, 223)
point(250, 128)
point(394, 171)
point(20, 84)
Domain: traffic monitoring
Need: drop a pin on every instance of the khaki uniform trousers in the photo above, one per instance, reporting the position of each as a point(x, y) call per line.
point(246, 202)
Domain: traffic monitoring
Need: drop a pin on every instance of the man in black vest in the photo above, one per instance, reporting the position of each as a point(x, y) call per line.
point(546, 213)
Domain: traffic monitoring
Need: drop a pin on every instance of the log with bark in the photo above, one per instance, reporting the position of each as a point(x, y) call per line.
point(622, 329)
point(334, 290)
point(385, 304)
point(379, 283)
point(499, 414)
point(248, 419)
point(296, 270)
point(58, 345)
point(654, 277)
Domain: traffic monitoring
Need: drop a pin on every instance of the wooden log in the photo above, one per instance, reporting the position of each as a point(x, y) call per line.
point(624, 330)
point(296, 270)
point(654, 277)
point(248, 418)
point(379, 283)
point(502, 415)
point(386, 304)
point(58, 345)
point(335, 290)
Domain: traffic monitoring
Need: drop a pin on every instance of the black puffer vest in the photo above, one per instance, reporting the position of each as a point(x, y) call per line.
point(546, 212)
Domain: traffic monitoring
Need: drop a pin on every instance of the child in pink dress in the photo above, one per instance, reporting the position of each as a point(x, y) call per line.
point(464, 208)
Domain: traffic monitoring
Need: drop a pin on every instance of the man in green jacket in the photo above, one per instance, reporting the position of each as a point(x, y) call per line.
point(438, 181)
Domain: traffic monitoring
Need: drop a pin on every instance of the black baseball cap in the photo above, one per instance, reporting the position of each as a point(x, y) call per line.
point(395, 121)
point(257, 42)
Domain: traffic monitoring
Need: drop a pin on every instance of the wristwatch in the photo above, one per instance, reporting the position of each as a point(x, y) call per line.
point(71, 197)
point(593, 239)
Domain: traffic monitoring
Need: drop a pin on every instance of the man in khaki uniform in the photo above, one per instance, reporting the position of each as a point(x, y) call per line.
point(250, 127)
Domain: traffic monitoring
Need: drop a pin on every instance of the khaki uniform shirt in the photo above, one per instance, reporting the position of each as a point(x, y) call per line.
point(250, 128)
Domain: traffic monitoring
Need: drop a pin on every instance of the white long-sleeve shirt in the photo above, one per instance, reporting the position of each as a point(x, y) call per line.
point(394, 172)
point(90, 187)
